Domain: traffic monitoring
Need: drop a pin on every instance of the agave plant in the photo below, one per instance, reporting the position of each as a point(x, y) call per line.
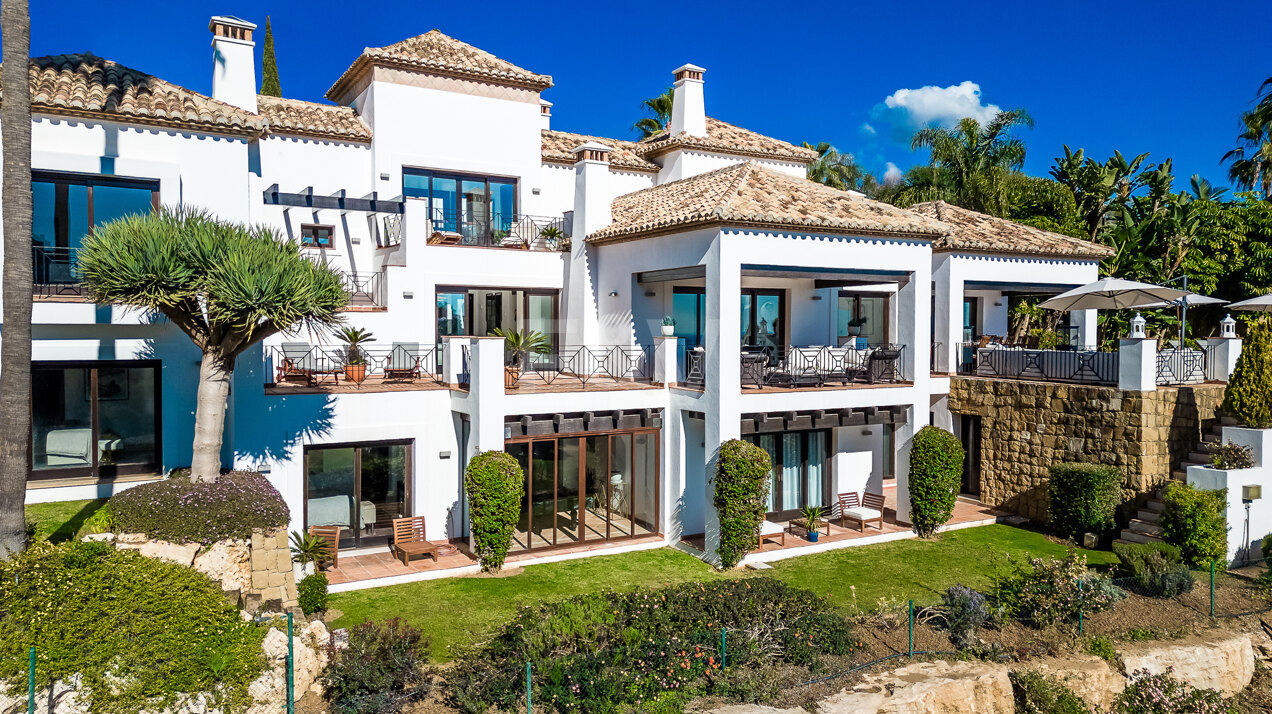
point(518, 344)
point(307, 548)
point(355, 338)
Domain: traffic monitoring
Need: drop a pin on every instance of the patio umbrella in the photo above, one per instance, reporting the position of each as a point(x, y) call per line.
point(1190, 300)
point(1263, 303)
point(1112, 294)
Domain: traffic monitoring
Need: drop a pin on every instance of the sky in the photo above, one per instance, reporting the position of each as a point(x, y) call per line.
point(1168, 78)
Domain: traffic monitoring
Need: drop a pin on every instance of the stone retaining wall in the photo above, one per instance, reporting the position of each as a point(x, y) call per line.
point(1028, 426)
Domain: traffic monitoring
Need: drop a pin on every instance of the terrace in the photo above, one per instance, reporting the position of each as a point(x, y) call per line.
point(301, 368)
point(995, 358)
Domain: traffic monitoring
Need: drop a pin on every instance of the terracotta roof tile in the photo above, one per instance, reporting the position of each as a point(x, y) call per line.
point(323, 121)
point(749, 194)
point(725, 138)
point(86, 85)
point(434, 51)
point(558, 147)
point(981, 233)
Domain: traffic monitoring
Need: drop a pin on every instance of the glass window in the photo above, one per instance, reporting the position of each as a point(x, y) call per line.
point(800, 476)
point(503, 203)
point(687, 305)
point(312, 236)
point(763, 319)
point(481, 209)
point(444, 205)
point(64, 208)
point(869, 312)
point(360, 488)
point(112, 202)
point(452, 314)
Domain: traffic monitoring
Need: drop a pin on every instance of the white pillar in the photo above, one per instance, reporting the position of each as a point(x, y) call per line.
point(1086, 321)
point(1137, 365)
point(688, 107)
point(1223, 355)
point(592, 212)
point(233, 64)
point(487, 392)
point(666, 369)
point(545, 113)
point(722, 392)
point(948, 289)
point(454, 371)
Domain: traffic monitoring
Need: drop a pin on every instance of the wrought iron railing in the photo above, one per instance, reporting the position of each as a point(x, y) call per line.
point(583, 365)
point(519, 231)
point(819, 366)
point(1181, 366)
point(364, 288)
point(315, 365)
point(1086, 365)
point(695, 367)
point(55, 271)
point(391, 234)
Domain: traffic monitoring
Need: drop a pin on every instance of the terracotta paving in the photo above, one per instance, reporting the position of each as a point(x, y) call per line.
point(767, 389)
point(530, 384)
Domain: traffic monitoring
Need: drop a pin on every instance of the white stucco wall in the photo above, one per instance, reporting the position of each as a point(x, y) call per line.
point(682, 163)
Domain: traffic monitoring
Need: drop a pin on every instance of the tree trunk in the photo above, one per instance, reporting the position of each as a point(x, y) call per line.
point(15, 345)
point(209, 417)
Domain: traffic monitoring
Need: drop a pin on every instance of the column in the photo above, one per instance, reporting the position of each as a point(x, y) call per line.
point(722, 392)
point(1086, 322)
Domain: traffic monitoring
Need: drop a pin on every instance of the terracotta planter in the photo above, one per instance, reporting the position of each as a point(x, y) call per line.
point(511, 377)
point(355, 372)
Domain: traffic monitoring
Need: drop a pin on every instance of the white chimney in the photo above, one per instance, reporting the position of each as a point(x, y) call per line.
point(593, 193)
point(233, 63)
point(545, 111)
point(688, 109)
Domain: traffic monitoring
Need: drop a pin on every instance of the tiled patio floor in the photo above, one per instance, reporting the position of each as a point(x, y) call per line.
point(371, 384)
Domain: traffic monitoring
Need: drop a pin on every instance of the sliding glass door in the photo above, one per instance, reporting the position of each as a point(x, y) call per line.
point(762, 317)
point(800, 476)
point(359, 487)
point(480, 209)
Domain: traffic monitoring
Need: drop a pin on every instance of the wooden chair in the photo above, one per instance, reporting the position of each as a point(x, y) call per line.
point(404, 361)
point(868, 510)
point(769, 529)
point(409, 539)
point(331, 536)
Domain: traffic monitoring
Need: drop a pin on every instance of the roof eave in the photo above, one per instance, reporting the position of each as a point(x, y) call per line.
point(785, 227)
point(242, 130)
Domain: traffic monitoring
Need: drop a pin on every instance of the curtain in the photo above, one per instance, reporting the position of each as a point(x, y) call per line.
point(816, 467)
point(791, 466)
point(769, 443)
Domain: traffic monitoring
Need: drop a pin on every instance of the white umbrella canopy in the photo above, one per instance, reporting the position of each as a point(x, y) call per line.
point(1112, 294)
point(1191, 300)
point(1263, 303)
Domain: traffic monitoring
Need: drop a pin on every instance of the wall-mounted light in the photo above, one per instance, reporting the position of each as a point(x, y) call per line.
point(866, 431)
point(507, 431)
point(1251, 493)
point(408, 295)
point(651, 293)
point(817, 296)
point(613, 293)
point(998, 304)
point(534, 191)
point(443, 454)
point(384, 177)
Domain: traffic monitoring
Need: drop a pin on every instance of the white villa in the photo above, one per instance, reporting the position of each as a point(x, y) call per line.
point(817, 323)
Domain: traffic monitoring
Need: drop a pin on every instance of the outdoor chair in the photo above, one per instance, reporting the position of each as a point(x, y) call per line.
point(404, 361)
point(301, 362)
point(769, 529)
point(869, 509)
point(879, 366)
point(331, 536)
point(409, 539)
point(754, 368)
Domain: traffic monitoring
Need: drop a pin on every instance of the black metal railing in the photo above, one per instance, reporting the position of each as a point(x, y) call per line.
point(583, 365)
point(1084, 365)
point(818, 366)
point(316, 365)
point(364, 288)
point(391, 233)
point(55, 271)
point(1181, 366)
point(694, 368)
point(518, 231)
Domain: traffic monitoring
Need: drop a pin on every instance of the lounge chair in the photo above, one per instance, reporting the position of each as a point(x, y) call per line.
point(868, 510)
point(301, 362)
point(331, 536)
point(409, 539)
point(769, 529)
point(879, 366)
point(404, 361)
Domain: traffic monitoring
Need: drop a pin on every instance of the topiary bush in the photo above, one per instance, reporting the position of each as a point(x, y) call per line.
point(936, 473)
point(495, 484)
point(380, 671)
point(741, 494)
point(183, 511)
point(139, 633)
point(1084, 497)
point(1248, 397)
point(1193, 521)
point(311, 593)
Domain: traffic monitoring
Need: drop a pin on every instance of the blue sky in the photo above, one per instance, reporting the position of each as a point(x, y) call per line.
point(1164, 77)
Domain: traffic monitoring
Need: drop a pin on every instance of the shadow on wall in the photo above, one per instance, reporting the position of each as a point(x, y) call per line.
point(269, 429)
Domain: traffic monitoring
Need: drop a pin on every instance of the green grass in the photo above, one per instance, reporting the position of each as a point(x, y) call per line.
point(61, 521)
point(459, 611)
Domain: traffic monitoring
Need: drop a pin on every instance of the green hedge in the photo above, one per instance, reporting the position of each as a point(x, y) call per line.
point(741, 493)
point(1248, 397)
point(98, 613)
point(1193, 521)
point(936, 474)
point(495, 484)
point(1084, 497)
point(183, 511)
point(311, 593)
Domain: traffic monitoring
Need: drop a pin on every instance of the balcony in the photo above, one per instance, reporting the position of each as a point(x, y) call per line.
point(366, 290)
point(571, 368)
point(55, 273)
point(301, 368)
point(513, 231)
point(806, 368)
point(1073, 364)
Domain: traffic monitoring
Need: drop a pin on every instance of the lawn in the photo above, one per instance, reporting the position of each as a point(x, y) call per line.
point(61, 521)
point(458, 611)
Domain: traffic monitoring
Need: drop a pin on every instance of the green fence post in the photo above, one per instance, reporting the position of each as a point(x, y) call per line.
point(291, 669)
point(911, 628)
point(529, 702)
point(1212, 588)
point(1080, 622)
point(31, 682)
point(724, 647)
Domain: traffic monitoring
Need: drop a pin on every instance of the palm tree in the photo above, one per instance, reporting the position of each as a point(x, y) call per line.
point(225, 285)
point(1203, 190)
point(659, 109)
point(833, 168)
point(15, 348)
point(1251, 162)
point(976, 157)
point(1098, 188)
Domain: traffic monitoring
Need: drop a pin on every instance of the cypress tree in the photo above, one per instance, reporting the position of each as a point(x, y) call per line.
point(1249, 394)
point(269, 69)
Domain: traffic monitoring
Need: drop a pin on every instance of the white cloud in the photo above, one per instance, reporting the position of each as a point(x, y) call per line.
point(867, 129)
point(944, 106)
point(892, 176)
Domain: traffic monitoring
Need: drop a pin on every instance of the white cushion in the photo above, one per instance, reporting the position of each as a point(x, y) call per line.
point(862, 513)
point(770, 528)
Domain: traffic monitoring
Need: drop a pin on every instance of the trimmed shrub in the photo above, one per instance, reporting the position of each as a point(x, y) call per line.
point(741, 492)
point(183, 511)
point(1152, 569)
point(1163, 694)
point(139, 633)
point(1233, 456)
point(1048, 590)
point(966, 611)
point(1084, 497)
point(380, 671)
point(936, 473)
point(1037, 693)
point(1102, 647)
point(1248, 397)
point(311, 593)
point(495, 484)
point(1193, 521)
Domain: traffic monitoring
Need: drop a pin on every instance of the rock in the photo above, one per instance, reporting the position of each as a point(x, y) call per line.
point(945, 687)
point(1223, 662)
point(61, 699)
point(1091, 678)
point(100, 537)
point(755, 709)
point(179, 553)
point(1090, 541)
point(228, 561)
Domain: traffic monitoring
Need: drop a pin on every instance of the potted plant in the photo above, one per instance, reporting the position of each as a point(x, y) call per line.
point(855, 325)
point(306, 550)
point(812, 522)
point(668, 326)
point(517, 345)
point(355, 367)
point(552, 235)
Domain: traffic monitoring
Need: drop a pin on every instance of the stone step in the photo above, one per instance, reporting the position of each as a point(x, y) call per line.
point(1155, 505)
point(1133, 537)
point(1148, 516)
point(1198, 458)
point(1207, 447)
point(1180, 475)
point(1227, 421)
point(1215, 437)
point(1145, 528)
